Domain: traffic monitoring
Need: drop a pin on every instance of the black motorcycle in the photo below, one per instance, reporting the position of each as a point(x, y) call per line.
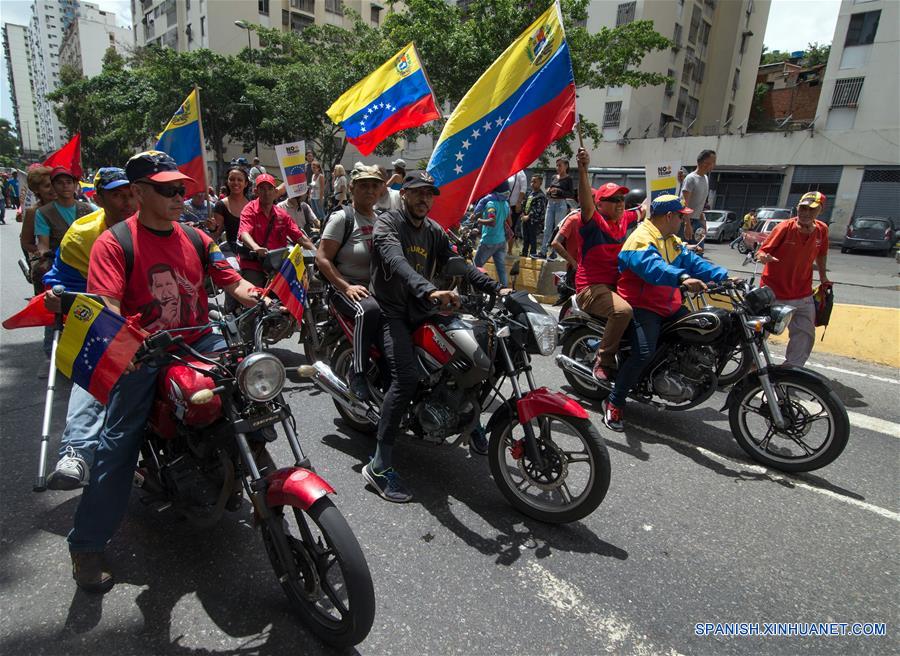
point(784, 417)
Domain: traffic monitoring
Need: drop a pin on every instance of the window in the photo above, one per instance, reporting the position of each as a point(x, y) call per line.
point(676, 37)
point(862, 28)
point(203, 26)
point(375, 15)
point(846, 92)
point(705, 29)
point(187, 6)
point(263, 7)
point(189, 32)
point(625, 13)
point(735, 83)
point(670, 86)
point(299, 22)
point(682, 104)
point(611, 114)
point(695, 24)
point(309, 6)
point(334, 6)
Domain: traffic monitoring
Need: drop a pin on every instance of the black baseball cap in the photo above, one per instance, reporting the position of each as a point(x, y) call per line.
point(420, 179)
point(154, 165)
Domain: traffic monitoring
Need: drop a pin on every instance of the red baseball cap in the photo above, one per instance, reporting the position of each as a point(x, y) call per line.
point(609, 189)
point(60, 170)
point(265, 178)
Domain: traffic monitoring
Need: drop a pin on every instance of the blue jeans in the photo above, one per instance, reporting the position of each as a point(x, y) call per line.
point(556, 211)
point(316, 205)
point(496, 251)
point(84, 421)
point(105, 500)
point(643, 334)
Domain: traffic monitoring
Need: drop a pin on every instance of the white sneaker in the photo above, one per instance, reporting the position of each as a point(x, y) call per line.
point(71, 472)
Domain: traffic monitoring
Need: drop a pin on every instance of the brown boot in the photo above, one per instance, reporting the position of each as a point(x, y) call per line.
point(91, 573)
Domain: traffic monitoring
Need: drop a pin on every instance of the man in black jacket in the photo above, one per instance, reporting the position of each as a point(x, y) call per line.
point(409, 249)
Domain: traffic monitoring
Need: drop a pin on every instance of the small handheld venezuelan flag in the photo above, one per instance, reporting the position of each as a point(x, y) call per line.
point(395, 97)
point(96, 346)
point(290, 283)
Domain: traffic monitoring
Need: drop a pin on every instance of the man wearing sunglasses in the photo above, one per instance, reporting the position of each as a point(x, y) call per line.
point(604, 224)
point(148, 265)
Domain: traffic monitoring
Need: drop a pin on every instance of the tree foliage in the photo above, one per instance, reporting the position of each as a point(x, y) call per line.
point(9, 144)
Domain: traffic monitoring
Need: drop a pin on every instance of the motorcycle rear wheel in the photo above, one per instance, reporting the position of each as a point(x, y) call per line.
point(806, 401)
point(573, 450)
point(579, 346)
point(342, 362)
point(337, 600)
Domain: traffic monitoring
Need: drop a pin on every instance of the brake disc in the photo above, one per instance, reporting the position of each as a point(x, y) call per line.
point(552, 451)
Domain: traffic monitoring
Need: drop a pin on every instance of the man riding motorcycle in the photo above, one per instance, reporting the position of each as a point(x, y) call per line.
point(409, 249)
point(654, 264)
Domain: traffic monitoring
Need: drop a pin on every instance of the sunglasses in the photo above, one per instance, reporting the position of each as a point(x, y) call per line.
point(613, 199)
point(166, 191)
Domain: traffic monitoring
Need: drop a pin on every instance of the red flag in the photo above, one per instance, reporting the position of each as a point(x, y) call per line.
point(34, 314)
point(68, 156)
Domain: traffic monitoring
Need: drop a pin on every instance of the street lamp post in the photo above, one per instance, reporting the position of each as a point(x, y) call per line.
point(244, 25)
point(245, 102)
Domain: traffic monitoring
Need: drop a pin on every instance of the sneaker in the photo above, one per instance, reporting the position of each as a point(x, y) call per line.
point(91, 573)
point(612, 417)
point(359, 386)
point(71, 472)
point(478, 441)
point(604, 374)
point(387, 484)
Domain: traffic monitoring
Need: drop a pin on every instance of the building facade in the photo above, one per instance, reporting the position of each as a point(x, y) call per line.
point(19, 73)
point(87, 40)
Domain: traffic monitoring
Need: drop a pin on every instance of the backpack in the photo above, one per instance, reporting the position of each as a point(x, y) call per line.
point(824, 301)
point(348, 224)
point(122, 233)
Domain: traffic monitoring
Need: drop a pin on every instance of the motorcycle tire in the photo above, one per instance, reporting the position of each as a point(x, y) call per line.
point(742, 248)
point(334, 549)
point(575, 347)
point(578, 507)
point(341, 363)
point(831, 447)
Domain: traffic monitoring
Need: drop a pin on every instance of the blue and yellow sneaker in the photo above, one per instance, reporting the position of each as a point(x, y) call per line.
point(387, 484)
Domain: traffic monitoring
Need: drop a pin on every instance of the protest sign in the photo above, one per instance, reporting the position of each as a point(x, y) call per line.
point(292, 160)
point(662, 178)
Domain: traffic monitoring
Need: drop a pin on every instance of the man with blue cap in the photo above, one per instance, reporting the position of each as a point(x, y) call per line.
point(654, 264)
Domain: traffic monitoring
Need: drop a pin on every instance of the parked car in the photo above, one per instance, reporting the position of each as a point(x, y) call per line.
point(870, 233)
point(780, 213)
point(753, 239)
point(721, 225)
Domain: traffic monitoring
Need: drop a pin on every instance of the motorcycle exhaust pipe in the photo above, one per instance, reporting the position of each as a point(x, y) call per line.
point(577, 369)
point(327, 381)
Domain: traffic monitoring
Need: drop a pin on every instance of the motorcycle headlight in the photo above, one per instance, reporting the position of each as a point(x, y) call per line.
point(261, 376)
point(781, 317)
point(543, 327)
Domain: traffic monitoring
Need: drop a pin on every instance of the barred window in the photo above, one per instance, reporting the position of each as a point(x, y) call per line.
point(611, 114)
point(625, 13)
point(846, 92)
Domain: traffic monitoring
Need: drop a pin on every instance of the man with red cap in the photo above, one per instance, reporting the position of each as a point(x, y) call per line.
point(604, 224)
point(789, 253)
point(264, 227)
point(153, 266)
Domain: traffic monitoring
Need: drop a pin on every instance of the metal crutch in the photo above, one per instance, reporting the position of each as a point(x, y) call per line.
point(40, 484)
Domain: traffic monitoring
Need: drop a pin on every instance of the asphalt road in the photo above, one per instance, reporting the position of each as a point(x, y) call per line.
point(690, 532)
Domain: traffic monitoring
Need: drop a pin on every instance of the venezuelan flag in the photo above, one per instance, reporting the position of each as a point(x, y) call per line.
point(519, 106)
point(395, 97)
point(96, 346)
point(290, 283)
point(183, 141)
point(87, 189)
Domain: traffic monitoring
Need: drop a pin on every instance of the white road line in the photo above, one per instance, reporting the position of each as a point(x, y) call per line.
point(874, 424)
point(614, 633)
point(880, 379)
point(778, 476)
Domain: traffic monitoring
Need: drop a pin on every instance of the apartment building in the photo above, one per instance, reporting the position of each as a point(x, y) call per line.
point(19, 74)
point(87, 39)
point(713, 61)
point(192, 24)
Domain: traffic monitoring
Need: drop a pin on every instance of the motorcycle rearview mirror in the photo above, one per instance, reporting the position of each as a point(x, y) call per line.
point(456, 266)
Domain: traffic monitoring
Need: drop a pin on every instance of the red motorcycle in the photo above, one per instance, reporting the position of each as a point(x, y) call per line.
point(545, 454)
point(205, 448)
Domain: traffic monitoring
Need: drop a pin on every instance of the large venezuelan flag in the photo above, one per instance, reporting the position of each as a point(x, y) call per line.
point(395, 97)
point(290, 283)
point(96, 346)
point(520, 105)
point(182, 140)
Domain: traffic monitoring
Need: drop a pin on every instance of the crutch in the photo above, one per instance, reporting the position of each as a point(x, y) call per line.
point(40, 484)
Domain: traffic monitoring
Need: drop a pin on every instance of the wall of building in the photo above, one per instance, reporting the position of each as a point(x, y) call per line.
point(18, 64)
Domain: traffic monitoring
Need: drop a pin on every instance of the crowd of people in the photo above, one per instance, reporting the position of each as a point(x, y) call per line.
point(146, 249)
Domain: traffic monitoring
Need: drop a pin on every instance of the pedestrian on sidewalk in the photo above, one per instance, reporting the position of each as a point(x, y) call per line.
point(789, 253)
point(493, 231)
point(695, 192)
point(532, 215)
point(561, 190)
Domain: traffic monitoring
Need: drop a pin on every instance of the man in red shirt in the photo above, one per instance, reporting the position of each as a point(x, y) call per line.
point(162, 281)
point(789, 253)
point(265, 227)
point(604, 224)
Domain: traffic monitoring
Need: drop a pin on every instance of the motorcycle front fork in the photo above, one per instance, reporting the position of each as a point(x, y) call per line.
point(531, 442)
point(763, 362)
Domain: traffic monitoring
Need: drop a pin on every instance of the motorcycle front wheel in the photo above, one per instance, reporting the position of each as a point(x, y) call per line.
point(817, 424)
point(581, 345)
point(333, 591)
point(575, 477)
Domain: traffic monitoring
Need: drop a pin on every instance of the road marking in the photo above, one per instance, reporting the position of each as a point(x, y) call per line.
point(616, 634)
point(880, 379)
point(874, 424)
point(776, 475)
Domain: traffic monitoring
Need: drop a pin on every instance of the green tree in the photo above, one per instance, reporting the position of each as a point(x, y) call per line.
point(9, 144)
point(817, 54)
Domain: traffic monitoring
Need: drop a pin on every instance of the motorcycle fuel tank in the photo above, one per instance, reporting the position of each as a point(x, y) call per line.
point(448, 342)
point(175, 386)
point(701, 327)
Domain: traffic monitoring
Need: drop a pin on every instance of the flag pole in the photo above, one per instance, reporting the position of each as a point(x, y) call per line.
point(203, 150)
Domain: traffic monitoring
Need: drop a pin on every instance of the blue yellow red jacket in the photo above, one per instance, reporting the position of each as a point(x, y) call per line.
point(651, 266)
point(71, 263)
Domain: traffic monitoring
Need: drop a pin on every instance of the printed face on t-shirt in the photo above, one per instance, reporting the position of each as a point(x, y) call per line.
point(167, 295)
